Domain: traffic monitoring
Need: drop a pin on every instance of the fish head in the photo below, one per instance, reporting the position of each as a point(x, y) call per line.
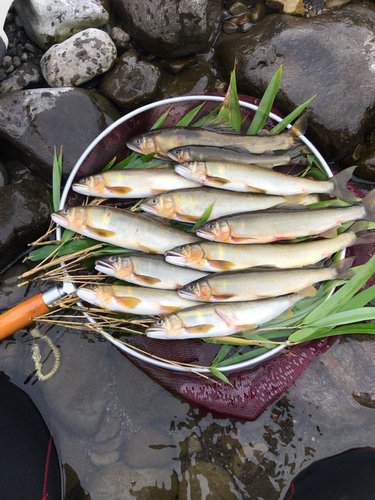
point(194, 170)
point(161, 205)
point(169, 326)
point(198, 290)
point(185, 254)
point(93, 185)
point(217, 230)
point(74, 218)
point(115, 265)
point(180, 154)
point(96, 294)
point(144, 143)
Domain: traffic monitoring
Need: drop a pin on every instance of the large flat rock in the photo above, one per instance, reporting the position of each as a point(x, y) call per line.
point(331, 55)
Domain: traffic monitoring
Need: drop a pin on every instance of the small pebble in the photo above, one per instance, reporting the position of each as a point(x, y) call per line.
point(22, 37)
point(29, 47)
point(24, 57)
point(19, 23)
point(107, 446)
point(9, 18)
point(237, 9)
point(108, 431)
point(19, 49)
point(7, 61)
point(16, 61)
point(106, 459)
point(3, 75)
point(230, 26)
point(257, 14)
point(12, 52)
point(10, 69)
point(193, 445)
point(120, 38)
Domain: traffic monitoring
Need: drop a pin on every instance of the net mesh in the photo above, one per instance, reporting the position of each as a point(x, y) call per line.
point(253, 389)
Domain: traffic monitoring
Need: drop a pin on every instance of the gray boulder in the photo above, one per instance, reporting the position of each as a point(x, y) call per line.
point(331, 55)
point(28, 75)
point(78, 59)
point(51, 21)
point(36, 121)
point(171, 29)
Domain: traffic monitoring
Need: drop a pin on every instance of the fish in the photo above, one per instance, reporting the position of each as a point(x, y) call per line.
point(274, 225)
point(122, 228)
point(188, 205)
point(147, 270)
point(262, 283)
point(133, 299)
point(214, 257)
point(211, 153)
point(213, 320)
point(216, 132)
point(132, 183)
point(252, 179)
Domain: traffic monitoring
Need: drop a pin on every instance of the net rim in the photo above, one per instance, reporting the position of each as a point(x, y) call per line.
point(128, 350)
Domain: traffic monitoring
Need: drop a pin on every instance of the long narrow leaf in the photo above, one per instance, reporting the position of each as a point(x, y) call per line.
point(221, 354)
point(207, 118)
point(109, 165)
point(291, 117)
point(56, 179)
point(161, 120)
point(360, 300)
point(69, 247)
point(67, 234)
point(235, 110)
point(189, 117)
point(220, 375)
point(265, 105)
point(238, 358)
point(342, 318)
point(205, 216)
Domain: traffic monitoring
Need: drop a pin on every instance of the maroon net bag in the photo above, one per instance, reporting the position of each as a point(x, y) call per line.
point(253, 389)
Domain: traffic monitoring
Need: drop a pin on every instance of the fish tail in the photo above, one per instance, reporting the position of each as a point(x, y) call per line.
point(361, 239)
point(339, 188)
point(342, 268)
point(298, 153)
point(369, 204)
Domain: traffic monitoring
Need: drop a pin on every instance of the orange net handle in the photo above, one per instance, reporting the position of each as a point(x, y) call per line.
point(20, 316)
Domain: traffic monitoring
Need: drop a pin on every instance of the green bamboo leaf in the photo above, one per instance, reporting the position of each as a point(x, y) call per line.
point(265, 105)
point(109, 165)
point(340, 330)
point(124, 163)
point(238, 358)
point(69, 247)
point(67, 234)
point(291, 117)
point(305, 334)
point(161, 120)
point(207, 118)
point(205, 216)
point(344, 317)
point(360, 300)
point(361, 328)
point(56, 179)
point(221, 354)
point(50, 201)
point(235, 110)
point(109, 250)
point(189, 117)
point(346, 292)
point(220, 375)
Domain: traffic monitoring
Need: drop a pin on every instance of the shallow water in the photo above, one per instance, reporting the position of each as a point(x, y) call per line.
point(151, 437)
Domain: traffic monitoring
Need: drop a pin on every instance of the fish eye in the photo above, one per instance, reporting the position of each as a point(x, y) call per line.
point(154, 201)
point(189, 163)
point(159, 322)
point(191, 287)
point(180, 248)
point(112, 259)
point(138, 141)
point(85, 180)
point(210, 226)
point(66, 211)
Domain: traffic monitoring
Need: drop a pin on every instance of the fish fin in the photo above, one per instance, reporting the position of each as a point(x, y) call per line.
point(365, 239)
point(264, 165)
point(221, 264)
point(147, 249)
point(129, 302)
point(255, 190)
point(263, 132)
point(223, 296)
point(169, 309)
point(245, 327)
point(298, 199)
point(199, 328)
point(359, 226)
point(369, 204)
point(147, 280)
point(309, 291)
point(299, 127)
point(339, 186)
point(119, 189)
point(286, 314)
point(220, 125)
point(187, 218)
point(157, 191)
point(102, 233)
point(342, 267)
point(238, 149)
point(217, 180)
point(331, 233)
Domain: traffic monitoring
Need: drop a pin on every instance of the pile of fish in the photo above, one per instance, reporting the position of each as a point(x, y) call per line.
point(243, 276)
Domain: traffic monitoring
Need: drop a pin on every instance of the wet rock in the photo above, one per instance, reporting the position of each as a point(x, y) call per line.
point(108, 431)
point(193, 445)
point(196, 80)
point(151, 447)
point(121, 39)
point(110, 445)
point(36, 121)
point(131, 83)
point(52, 21)
point(119, 482)
point(257, 14)
point(175, 66)
point(10, 293)
point(171, 29)
point(231, 26)
point(3, 175)
point(335, 4)
point(24, 217)
point(78, 59)
point(294, 7)
point(84, 374)
point(206, 480)
point(28, 75)
point(105, 459)
point(341, 40)
point(237, 9)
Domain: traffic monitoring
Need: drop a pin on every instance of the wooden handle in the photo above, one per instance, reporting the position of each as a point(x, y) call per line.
point(19, 316)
